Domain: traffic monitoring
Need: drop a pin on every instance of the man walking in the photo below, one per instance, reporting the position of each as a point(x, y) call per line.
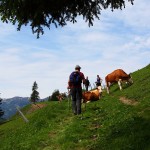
point(76, 79)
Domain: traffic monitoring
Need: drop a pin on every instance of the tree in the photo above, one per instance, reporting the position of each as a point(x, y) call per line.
point(49, 98)
point(35, 94)
point(54, 95)
point(43, 13)
point(1, 111)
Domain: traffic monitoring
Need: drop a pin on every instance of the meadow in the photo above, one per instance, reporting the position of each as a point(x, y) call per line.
point(118, 121)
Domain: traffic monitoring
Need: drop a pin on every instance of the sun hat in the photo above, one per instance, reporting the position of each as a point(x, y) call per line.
point(77, 67)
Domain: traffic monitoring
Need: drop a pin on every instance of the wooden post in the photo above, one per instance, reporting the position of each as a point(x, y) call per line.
point(24, 118)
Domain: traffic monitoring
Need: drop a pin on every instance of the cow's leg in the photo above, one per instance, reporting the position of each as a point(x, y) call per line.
point(107, 87)
point(119, 83)
point(108, 90)
point(100, 91)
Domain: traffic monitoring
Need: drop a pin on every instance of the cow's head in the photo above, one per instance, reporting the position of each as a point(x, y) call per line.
point(130, 80)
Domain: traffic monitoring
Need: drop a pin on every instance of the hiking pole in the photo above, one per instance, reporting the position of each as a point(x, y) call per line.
point(83, 103)
point(69, 99)
point(84, 109)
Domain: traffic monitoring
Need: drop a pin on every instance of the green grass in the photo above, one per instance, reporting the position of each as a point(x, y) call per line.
point(108, 124)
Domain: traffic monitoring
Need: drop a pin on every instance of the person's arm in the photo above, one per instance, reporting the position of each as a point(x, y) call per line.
point(83, 78)
point(69, 84)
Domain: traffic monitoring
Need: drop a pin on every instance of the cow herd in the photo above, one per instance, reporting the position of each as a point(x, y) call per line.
point(117, 76)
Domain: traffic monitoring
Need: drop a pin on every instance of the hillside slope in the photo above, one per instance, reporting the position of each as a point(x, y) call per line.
point(108, 124)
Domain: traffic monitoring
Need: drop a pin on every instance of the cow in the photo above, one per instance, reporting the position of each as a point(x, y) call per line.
point(117, 76)
point(92, 95)
point(60, 97)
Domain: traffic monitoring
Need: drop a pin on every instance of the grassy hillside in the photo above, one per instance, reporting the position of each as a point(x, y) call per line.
point(119, 121)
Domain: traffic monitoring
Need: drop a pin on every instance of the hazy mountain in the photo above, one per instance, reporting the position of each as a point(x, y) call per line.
point(9, 105)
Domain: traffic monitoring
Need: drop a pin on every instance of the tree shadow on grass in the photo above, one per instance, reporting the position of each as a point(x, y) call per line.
point(133, 134)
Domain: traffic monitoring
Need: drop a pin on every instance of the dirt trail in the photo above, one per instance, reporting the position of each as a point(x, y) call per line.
point(128, 101)
point(35, 107)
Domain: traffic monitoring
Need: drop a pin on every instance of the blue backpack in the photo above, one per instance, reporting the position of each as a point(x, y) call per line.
point(75, 78)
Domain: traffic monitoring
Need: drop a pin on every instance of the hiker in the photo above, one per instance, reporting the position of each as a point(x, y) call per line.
point(98, 85)
point(75, 85)
point(87, 83)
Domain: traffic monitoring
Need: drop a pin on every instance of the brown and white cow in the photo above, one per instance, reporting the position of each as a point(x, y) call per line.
point(60, 97)
point(117, 76)
point(92, 95)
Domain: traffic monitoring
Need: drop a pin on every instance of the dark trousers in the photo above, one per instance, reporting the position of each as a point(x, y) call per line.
point(76, 94)
point(86, 88)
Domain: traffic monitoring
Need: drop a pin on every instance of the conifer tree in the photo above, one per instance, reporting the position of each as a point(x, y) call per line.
point(35, 94)
point(48, 13)
point(1, 111)
point(54, 95)
point(49, 98)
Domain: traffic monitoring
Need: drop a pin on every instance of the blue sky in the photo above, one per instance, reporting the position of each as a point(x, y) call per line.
point(120, 39)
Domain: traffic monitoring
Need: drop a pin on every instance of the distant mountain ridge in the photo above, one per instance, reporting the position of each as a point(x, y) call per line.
point(9, 105)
